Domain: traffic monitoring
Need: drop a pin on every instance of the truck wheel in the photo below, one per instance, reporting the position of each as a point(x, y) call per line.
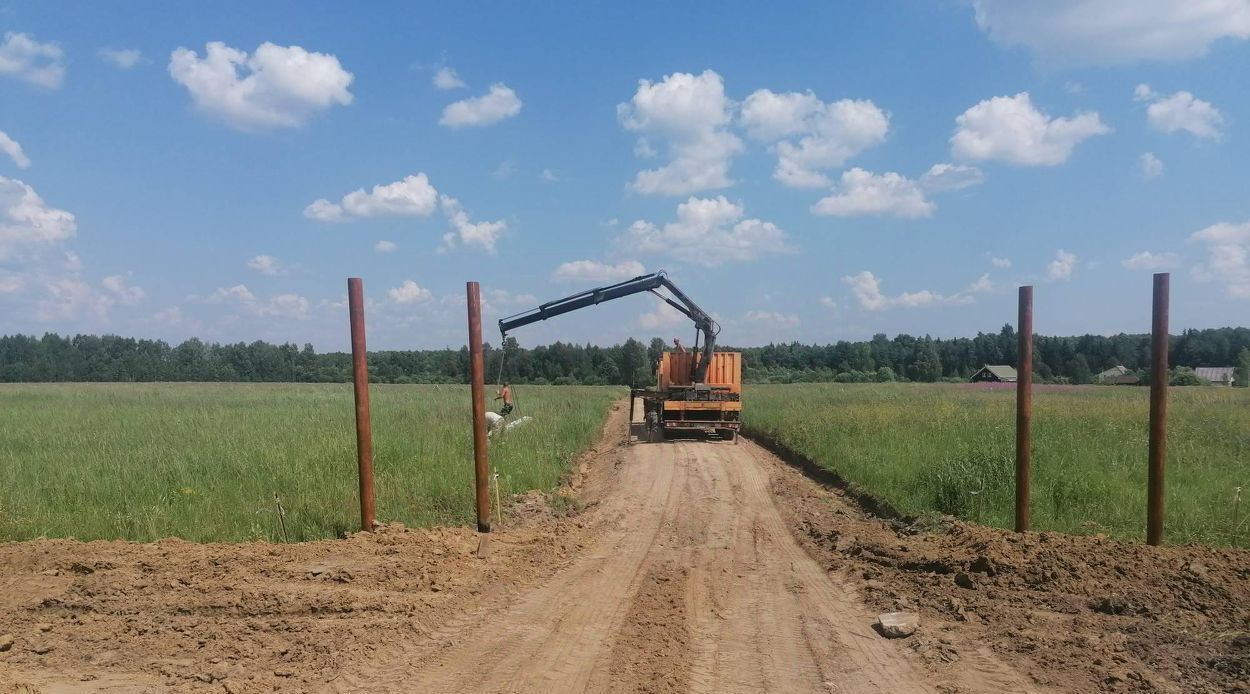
point(729, 434)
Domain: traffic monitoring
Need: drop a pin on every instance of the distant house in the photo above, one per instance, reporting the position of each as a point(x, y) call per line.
point(995, 374)
point(1217, 375)
point(1117, 376)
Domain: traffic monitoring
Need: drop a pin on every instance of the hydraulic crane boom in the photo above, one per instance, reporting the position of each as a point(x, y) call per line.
point(707, 327)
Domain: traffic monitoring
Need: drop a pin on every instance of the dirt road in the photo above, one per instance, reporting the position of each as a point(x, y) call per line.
point(694, 584)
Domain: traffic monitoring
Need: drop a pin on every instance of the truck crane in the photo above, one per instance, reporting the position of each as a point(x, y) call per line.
point(696, 390)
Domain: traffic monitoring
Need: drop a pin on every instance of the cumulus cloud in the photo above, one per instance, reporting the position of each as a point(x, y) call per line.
point(691, 114)
point(70, 297)
point(865, 193)
point(866, 287)
point(595, 271)
point(411, 197)
point(812, 135)
point(385, 247)
point(1061, 268)
point(1150, 261)
point(409, 293)
point(941, 178)
point(266, 265)
point(446, 78)
point(28, 226)
point(277, 86)
point(498, 103)
point(1228, 257)
point(121, 58)
point(983, 285)
point(774, 319)
point(829, 303)
point(1180, 112)
point(41, 64)
point(466, 232)
point(1113, 32)
point(1012, 130)
point(708, 232)
point(121, 288)
point(277, 306)
point(414, 196)
point(11, 147)
point(663, 316)
point(1151, 166)
point(1000, 262)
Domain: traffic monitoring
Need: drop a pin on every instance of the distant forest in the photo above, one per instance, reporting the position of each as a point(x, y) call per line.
point(901, 358)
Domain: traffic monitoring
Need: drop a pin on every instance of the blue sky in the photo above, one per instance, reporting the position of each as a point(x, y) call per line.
point(822, 173)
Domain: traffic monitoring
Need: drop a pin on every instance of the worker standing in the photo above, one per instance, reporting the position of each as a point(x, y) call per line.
point(681, 349)
point(505, 394)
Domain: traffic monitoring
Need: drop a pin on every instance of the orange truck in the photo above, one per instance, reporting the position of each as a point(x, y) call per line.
point(699, 390)
point(678, 404)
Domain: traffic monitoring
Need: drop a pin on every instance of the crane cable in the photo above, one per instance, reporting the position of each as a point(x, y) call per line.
point(503, 360)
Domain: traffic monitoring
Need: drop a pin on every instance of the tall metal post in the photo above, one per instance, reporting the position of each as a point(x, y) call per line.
point(1024, 408)
point(360, 377)
point(1158, 410)
point(477, 385)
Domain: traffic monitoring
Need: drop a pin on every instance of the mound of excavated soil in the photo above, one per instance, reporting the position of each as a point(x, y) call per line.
point(1077, 613)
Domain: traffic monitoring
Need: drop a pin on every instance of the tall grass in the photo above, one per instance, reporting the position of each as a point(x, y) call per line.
point(951, 449)
point(203, 461)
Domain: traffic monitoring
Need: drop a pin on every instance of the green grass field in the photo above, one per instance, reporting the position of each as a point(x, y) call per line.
point(202, 461)
point(951, 449)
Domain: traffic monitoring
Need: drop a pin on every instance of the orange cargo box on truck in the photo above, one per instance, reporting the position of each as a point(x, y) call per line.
point(725, 370)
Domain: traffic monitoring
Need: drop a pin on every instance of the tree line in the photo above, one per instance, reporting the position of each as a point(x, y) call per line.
point(53, 357)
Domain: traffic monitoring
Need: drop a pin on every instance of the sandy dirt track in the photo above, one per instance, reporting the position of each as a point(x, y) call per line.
point(689, 566)
point(695, 584)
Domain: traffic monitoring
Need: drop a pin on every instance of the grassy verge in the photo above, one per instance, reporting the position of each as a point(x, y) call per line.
point(951, 449)
point(203, 461)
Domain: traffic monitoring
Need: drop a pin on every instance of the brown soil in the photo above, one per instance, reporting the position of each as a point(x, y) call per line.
point(680, 567)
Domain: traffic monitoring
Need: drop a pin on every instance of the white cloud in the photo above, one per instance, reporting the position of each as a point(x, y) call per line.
point(595, 271)
point(266, 265)
point(23, 57)
point(549, 176)
point(481, 235)
point(409, 293)
point(983, 285)
point(1151, 261)
point(1228, 257)
point(774, 319)
point(121, 58)
point(505, 170)
point(281, 86)
point(446, 78)
point(691, 114)
point(708, 232)
point(1000, 262)
point(1010, 129)
point(1151, 166)
point(663, 316)
point(171, 315)
point(1113, 32)
point(867, 290)
point(829, 303)
point(126, 293)
point(385, 247)
point(498, 103)
point(68, 298)
point(411, 197)
point(28, 225)
point(1061, 268)
point(941, 178)
point(11, 147)
point(865, 193)
point(1180, 112)
point(278, 306)
point(828, 133)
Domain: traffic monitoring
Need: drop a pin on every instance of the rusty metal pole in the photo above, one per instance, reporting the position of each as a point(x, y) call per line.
point(1024, 409)
point(1158, 410)
point(360, 376)
point(477, 385)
